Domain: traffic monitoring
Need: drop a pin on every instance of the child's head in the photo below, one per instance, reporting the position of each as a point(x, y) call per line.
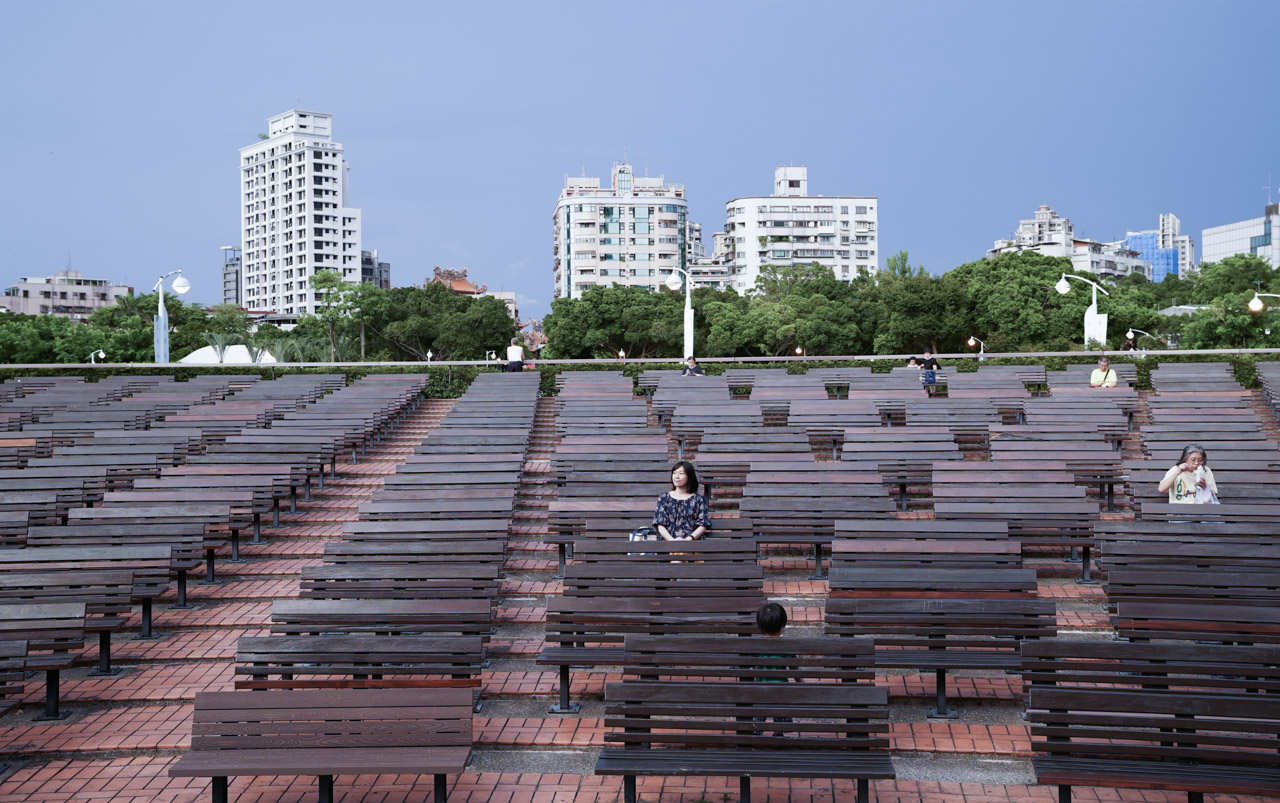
point(771, 619)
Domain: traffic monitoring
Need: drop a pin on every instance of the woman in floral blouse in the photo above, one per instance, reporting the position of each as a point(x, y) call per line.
point(681, 514)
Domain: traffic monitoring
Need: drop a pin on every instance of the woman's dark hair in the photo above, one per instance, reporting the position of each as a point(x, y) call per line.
point(1191, 448)
point(771, 618)
point(690, 473)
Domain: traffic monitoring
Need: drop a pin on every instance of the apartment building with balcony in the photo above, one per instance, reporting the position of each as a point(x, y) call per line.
point(67, 294)
point(1052, 235)
point(792, 227)
point(633, 232)
point(231, 270)
point(296, 216)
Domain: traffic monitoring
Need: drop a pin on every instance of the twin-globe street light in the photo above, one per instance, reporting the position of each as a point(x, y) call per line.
point(180, 285)
point(673, 284)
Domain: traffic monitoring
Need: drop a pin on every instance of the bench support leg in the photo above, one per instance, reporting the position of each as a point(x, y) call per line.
point(182, 591)
point(326, 788)
point(864, 790)
point(941, 711)
point(902, 496)
point(104, 655)
point(307, 490)
point(744, 789)
point(1064, 793)
point(235, 545)
point(818, 574)
point(565, 707)
point(275, 511)
point(51, 710)
point(1086, 570)
point(320, 478)
point(354, 456)
point(441, 788)
point(629, 789)
point(293, 499)
point(333, 474)
point(1195, 797)
point(257, 528)
point(560, 553)
point(220, 790)
point(146, 619)
point(210, 579)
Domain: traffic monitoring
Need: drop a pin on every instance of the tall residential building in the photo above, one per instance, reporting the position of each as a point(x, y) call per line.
point(1171, 236)
point(1049, 234)
point(374, 271)
point(1046, 233)
point(296, 214)
point(633, 232)
point(231, 275)
point(66, 294)
point(1246, 237)
point(791, 227)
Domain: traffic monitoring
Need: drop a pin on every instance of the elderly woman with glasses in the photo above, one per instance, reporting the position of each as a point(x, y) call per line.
point(1191, 480)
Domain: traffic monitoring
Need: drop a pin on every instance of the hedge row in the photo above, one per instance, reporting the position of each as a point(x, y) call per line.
point(447, 382)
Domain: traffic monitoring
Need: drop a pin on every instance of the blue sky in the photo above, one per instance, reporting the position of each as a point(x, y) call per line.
point(122, 121)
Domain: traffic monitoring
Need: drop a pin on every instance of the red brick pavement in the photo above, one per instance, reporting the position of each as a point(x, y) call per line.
point(145, 780)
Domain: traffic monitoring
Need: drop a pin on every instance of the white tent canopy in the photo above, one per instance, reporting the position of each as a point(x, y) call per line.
point(234, 355)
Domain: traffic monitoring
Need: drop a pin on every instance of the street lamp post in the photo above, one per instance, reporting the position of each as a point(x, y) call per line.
point(93, 357)
point(1064, 287)
point(673, 284)
point(982, 347)
point(1256, 304)
point(161, 335)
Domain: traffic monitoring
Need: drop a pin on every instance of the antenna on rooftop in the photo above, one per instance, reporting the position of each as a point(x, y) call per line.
point(1268, 189)
point(584, 169)
point(646, 172)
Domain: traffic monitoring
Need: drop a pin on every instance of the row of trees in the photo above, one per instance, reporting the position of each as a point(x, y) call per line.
point(356, 322)
point(1008, 302)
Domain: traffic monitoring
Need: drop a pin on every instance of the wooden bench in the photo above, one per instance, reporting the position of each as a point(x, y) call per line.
point(358, 662)
point(465, 617)
point(54, 634)
point(330, 732)
point(589, 631)
point(938, 634)
point(722, 729)
point(399, 581)
point(13, 658)
point(106, 594)
point(1155, 739)
point(750, 658)
point(1198, 621)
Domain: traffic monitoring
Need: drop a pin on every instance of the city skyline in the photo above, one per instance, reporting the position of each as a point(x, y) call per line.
point(124, 123)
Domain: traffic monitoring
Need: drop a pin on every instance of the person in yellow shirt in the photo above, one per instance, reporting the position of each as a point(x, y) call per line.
point(1104, 376)
point(1190, 478)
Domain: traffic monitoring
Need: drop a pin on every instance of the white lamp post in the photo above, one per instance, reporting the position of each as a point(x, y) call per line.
point(1099, 330)
point(180, 285)
point(673, 284)
point(429, 355)
point(93, 357)
point(1256, 304)
point(982, 347)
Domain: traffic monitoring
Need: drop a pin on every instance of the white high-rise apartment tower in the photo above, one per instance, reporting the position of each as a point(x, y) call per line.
point(632, 233)
point(792, 227)
point(295, 217)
